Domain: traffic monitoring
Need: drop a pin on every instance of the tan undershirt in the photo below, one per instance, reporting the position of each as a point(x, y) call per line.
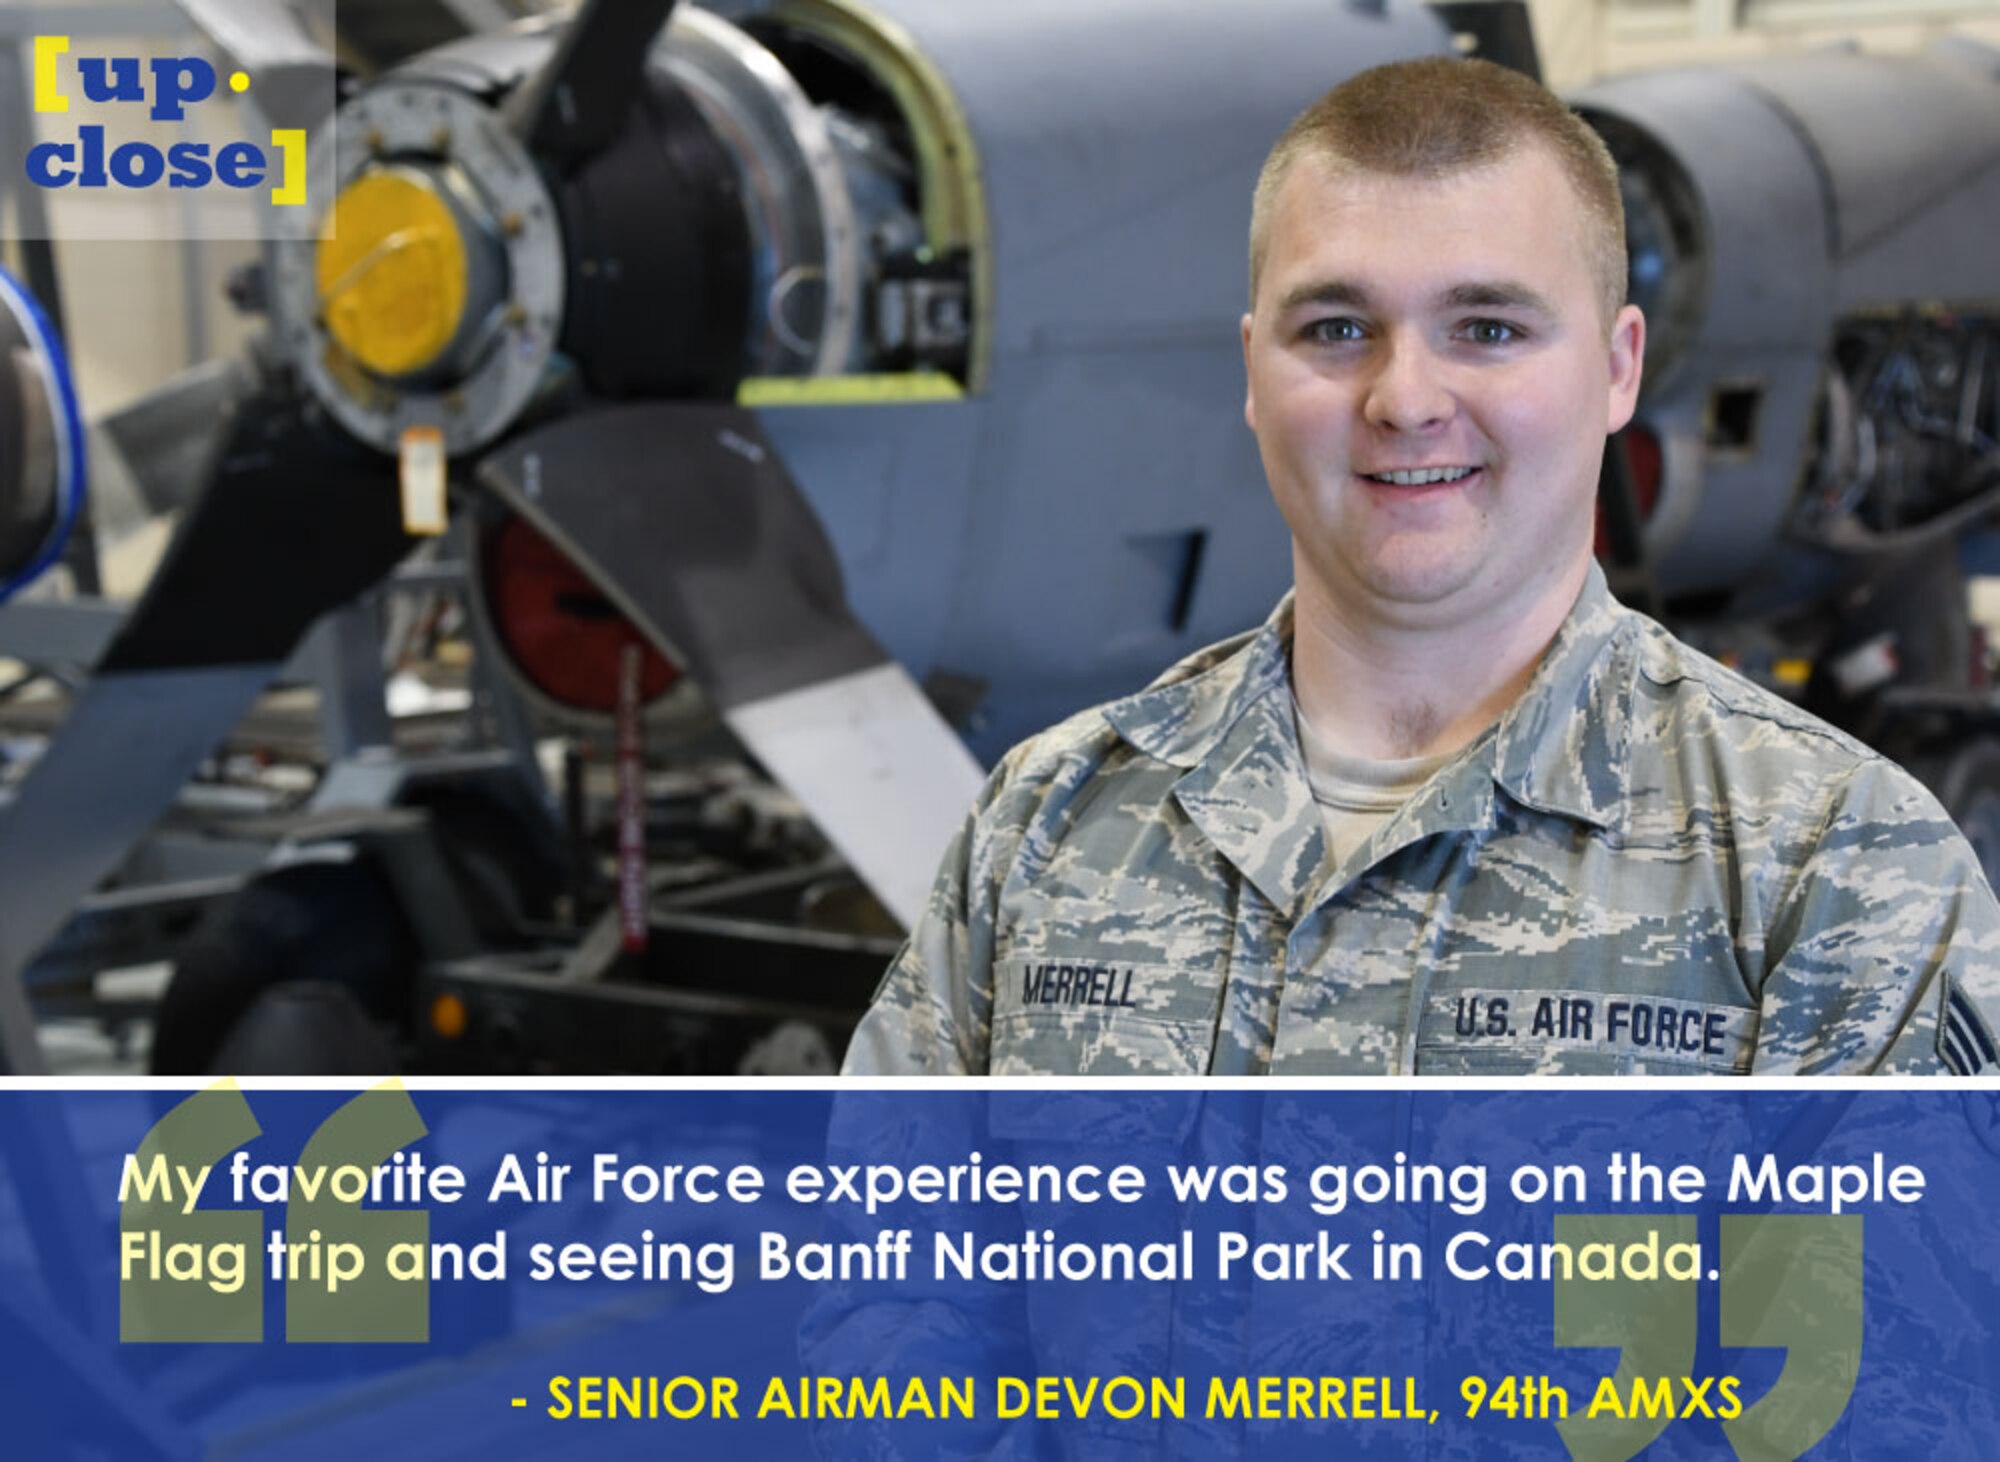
point(1356, 796)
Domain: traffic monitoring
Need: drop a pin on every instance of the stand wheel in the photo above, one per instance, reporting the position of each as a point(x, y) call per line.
point(291, 977)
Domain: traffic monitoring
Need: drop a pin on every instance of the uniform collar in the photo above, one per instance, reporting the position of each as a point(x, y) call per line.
point(1563, 746)
point(1225, 715)
point(1182, 716)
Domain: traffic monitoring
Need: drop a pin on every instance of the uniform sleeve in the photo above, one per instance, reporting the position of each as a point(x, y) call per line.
point(1890, 940)
point(932, 1014)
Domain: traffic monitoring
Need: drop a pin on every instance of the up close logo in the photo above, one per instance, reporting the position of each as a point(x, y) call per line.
point(177, 83)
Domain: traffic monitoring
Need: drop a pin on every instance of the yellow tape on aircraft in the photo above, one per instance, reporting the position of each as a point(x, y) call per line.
point(896, 389)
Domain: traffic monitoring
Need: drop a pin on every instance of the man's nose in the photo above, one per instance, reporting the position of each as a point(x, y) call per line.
point(1408, 392)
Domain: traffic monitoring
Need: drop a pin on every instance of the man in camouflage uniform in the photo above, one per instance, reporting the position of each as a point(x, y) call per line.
point(1452, 809)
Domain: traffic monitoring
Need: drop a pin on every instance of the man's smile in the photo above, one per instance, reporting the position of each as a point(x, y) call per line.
point(1416, 479)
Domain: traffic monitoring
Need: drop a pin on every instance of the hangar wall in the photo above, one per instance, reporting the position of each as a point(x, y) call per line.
point(1581, 40)
point(136, 310)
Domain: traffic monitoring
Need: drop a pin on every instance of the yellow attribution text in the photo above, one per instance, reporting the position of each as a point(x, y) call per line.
point(684, 1398)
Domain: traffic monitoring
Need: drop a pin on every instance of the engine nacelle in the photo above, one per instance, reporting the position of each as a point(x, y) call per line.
point(1810, 237)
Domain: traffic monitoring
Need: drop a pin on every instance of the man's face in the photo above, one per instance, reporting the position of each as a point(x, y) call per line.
point(1435, 326)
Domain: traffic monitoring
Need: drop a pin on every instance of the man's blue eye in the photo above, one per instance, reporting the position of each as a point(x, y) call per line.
point(1492, 332)
point(1328, 332)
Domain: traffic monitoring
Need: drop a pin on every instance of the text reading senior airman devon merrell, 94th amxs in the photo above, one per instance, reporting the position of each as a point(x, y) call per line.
point(1123, 1398)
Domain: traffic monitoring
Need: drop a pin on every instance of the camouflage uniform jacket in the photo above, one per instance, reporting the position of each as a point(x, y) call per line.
point(1647, 865)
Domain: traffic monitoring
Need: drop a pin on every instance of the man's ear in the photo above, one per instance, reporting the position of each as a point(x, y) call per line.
point(1628, 363)
point(1249, 395)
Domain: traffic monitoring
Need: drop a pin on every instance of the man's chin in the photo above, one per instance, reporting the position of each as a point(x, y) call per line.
point(1415, 590)
point(1417, 582)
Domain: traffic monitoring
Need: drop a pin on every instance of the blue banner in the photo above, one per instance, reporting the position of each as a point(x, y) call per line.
point(997, 1271)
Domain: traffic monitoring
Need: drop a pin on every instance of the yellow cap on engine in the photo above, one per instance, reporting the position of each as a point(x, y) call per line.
point(392, 272)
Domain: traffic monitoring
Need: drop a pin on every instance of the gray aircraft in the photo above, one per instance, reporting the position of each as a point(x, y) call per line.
point(837, 348)
point(1816, 461)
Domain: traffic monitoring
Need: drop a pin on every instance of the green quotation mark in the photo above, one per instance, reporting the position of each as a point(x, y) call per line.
point(1789, 1281)
point(373, 1306)
point(1793, 1281)
point(1651, 1321)
point(194, 1274)
point(221, 1297)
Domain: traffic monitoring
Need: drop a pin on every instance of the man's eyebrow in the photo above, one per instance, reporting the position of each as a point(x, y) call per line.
point(1324, 292)
point(1495, 294)
point(1503, 294)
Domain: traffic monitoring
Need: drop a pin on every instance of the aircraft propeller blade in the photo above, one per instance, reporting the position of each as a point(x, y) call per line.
point(168, 439)
point(685, 518)
point(291, 74)
point(293, 524)
point(576, 104)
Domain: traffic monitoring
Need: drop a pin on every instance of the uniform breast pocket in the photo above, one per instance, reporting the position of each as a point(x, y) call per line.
point(1455, 1060)
point(1060, 1014)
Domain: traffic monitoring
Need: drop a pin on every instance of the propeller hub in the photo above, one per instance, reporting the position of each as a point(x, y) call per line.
point(393, 272)
point(431, 293)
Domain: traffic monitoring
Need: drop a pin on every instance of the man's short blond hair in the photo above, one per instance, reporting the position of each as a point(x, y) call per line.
point(1437, 117)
